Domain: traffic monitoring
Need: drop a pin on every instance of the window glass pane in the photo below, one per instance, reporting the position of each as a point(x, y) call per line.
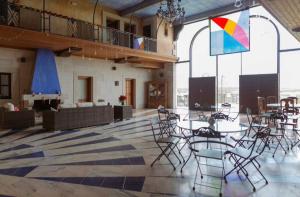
point(182, 83)
point(289, 77)
point(185, 37)
point(4, 79)
point(228, 79)
point(262, 57)
point(203, 65)
point(287, 40)
point(4, 91)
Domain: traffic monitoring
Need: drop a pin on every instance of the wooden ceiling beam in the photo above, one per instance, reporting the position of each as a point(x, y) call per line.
point(140, 6)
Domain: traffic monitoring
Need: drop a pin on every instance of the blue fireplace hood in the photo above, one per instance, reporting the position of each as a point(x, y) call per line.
point(45, 78)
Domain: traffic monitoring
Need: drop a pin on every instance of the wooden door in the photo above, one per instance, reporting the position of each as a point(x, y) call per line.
point(130, 92)
point(85, 88)
point(253, 86)
point(202, 90)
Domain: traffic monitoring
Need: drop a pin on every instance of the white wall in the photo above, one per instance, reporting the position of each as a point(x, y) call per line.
point(68, 70)
point(21, 72)
point(103, 79)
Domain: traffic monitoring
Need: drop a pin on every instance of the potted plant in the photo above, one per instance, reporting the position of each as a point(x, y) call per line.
point(122, 98)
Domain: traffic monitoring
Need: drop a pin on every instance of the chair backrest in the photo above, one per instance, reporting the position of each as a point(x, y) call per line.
point(225, 108)
point(271, 99)
point(163, 114)
point(263, 135)
point(249, 115)
point(286, 103)
point(159, 134)
point(220, 116)
point(295, 99)
point(288, 106)
point(261, 104)
point(206, 132)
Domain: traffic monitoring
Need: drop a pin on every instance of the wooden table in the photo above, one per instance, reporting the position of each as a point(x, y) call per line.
point(277, 105)
point(122, 112)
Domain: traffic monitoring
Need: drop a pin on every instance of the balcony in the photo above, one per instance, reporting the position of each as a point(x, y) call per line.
point(17, 19)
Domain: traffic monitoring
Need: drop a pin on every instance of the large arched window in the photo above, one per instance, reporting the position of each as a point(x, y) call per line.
point(264, 57)
point(203, 65)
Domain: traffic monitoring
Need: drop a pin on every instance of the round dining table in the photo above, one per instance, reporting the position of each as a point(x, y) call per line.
point(222, 126)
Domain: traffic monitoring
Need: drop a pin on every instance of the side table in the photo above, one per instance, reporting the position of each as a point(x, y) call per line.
point(122, 112)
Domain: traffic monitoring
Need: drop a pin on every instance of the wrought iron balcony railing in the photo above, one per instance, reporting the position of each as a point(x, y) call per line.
point(44, 21)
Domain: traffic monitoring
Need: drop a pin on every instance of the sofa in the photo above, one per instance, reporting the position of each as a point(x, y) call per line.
point(73, 118)
point(16, 119)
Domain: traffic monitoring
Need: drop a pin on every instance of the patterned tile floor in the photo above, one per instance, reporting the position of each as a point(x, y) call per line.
point(114, 160)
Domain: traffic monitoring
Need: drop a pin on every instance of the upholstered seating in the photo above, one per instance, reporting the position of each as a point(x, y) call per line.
point(72, 118)
point(16, 119)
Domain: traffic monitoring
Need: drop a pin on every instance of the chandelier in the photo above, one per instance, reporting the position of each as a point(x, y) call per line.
point(171, 10)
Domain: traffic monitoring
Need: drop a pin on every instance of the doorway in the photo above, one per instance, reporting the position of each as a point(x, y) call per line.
point(85, 89)
point(253, 86)
point(130, 92)
point(113, 26)
point(202, 90)
point(147, 31)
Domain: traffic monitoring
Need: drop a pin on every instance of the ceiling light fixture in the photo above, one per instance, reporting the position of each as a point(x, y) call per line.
point(171, 10)
point(238, 3)
point(296, 29)
point(74, 3)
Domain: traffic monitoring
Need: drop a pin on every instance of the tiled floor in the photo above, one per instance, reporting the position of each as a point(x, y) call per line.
point(114, 160)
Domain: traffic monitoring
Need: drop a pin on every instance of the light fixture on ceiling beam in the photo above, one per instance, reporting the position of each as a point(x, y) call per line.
point(171, 10)
point(238, 3)
point(296, 29)
point(74, 3)
point(244, 3)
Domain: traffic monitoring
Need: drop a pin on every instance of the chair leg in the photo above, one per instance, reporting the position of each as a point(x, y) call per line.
point(160, 155)
point(186, 162)
point(179, 151)
point(164, 154)
point(235, 167)
point(260, 172)
point(195, 179)
point(172, 150)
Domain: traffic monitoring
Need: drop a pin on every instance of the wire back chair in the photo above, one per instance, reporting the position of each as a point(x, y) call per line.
point(201, 150)
point(165, 144)
point(246, 156)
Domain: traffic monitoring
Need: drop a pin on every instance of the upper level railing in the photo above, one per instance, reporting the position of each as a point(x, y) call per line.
point(44, 21)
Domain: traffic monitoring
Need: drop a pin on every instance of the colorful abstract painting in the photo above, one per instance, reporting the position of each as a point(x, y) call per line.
point(230, 33)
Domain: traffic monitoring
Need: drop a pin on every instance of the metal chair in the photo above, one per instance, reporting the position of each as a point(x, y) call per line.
point(244, 157)
point(207, 149)
point(288, 106)
point(278, 136)
point(295, 99)
point(262, 109)
point(297, 136)
point(271, 100)
point(165, 144)
point(255, 122)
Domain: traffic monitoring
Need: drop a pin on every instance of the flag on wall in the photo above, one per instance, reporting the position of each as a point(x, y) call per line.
point(230, 33)
point(138, 43)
